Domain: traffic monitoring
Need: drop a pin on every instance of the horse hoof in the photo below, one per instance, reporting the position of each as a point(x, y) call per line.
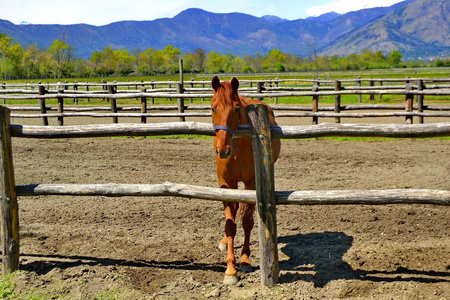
point(223, 247)
point(246, 268)
point(230, 279)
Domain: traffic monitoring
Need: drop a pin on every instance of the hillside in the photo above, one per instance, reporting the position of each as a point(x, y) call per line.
point(415, 27)
point(418, 29)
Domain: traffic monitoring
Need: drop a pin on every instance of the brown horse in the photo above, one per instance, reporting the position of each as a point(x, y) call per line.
point(235, 164)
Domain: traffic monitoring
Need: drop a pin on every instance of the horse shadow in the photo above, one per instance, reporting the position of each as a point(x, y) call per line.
point(318, 258)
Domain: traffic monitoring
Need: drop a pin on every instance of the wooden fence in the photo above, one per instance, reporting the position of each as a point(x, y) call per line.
point(264, 197)
point(274, 89)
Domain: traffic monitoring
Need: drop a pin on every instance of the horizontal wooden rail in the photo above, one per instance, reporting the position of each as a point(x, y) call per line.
point(164, 115)
point(326, 197)
point(437, 92)
point(284, 132)
point(124, 115)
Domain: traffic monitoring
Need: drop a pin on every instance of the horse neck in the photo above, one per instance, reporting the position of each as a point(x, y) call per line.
point(243, 111)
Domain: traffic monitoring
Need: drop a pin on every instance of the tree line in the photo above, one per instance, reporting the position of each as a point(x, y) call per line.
point(59, 61)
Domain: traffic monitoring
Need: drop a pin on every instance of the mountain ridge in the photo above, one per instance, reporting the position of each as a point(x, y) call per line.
point(414, 27)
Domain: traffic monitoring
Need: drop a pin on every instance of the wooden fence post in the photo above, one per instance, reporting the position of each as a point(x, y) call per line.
point(8, 198)
point(180, 101)
point(409, 103)
point(191, 100)
point(337, 100)
point(420, 87)
point(358, 83)
point(143, 105)
point(170, 86)
point(104, 88)
point(275, 100)
point(315, 88)
point(75, 88)
point(87, 90)
point(3, 88)
point(381, 95)
point(60, 107)
point(43, 91)
point(152, 100)
point(371, 96)
point(265, 192)
point(112, 89)
point(259, 89)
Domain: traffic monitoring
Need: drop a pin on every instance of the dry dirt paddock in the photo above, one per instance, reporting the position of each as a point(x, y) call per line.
point(166, 247)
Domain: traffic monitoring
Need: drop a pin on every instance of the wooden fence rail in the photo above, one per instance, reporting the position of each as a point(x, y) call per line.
point(328, 197)
point(339, 109)
point(284, 132)
point(265, 197)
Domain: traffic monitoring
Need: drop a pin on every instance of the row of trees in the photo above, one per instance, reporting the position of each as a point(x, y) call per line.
point(59, 61)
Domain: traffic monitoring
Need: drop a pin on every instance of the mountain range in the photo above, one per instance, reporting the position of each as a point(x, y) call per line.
point(416, 28)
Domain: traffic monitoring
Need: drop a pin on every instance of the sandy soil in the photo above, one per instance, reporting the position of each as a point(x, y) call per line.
point(166, 248)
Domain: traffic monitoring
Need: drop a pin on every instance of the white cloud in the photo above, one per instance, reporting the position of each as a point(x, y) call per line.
point(344, 6)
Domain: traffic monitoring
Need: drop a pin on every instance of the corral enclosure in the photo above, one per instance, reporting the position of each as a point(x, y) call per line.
point(338, 251)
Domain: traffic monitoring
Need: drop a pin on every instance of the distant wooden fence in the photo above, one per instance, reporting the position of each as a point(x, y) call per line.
point(265, 197)
point(143, 91)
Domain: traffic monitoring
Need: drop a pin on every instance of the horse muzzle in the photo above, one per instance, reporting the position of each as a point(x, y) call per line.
point(224, 153)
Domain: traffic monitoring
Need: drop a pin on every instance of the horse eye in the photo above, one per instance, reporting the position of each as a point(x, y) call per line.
point(212, 109)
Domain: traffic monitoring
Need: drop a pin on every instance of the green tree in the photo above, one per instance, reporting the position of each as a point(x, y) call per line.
point(395, 58)
point(11, 55)
point(171, 58)
point(61, 54)
point(215, 62)
point(199, 60)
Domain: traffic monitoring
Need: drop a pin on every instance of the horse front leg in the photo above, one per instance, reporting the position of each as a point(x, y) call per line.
point(230, 233)
point(247, 212)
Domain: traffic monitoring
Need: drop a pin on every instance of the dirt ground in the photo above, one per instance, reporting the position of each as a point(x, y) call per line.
point(166, 247)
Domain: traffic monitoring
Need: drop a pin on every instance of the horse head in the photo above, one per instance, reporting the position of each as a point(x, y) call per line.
point(226, 115)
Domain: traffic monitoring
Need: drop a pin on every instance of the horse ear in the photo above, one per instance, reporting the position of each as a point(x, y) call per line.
point(215, 83)
point(235, 84)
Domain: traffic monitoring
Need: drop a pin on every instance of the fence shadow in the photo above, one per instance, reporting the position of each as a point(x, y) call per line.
point(318, 258)
point(313, 257)
point(53, 261)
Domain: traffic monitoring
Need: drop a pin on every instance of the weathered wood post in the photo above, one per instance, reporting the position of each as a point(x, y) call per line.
point(8, 198)
point(60, 106)
point(3, 88)
point(87, 90)
point(420, 87)
point(180, 90)
point(315, 108)
point(75, 88)
point(143, 105)
point(170, 86)
point(43, 91)
point(358, 83)
point(112, 89)
point(265, 192)
point(371, 96)
point(409, 102)
point(381, 95)
point(259, 89)
point(104, 88)
point(191, 100)
point(337, 100)
point(152, 100)
point(275, 100)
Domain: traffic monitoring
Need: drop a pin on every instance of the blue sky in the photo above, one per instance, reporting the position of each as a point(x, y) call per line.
point(102, 12)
